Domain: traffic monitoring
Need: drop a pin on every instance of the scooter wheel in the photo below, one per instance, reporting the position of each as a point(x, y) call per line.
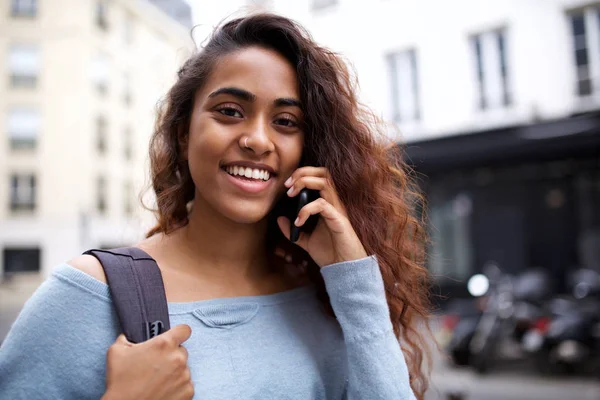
point(460, 357)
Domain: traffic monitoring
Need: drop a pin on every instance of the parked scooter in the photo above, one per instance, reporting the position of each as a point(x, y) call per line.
point(571, 343)
point(515, 305)
point(458, 327)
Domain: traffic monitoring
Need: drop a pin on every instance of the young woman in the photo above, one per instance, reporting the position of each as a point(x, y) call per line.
point(260, 113)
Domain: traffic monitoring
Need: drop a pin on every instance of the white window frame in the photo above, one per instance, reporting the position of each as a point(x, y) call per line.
point(591, 42)
point(100, 72)
point(24, 65)
point(23, 127)
point(128, 198)
point(101, 14)
point(403, 70)
point(128, 143)
point(101, 134)
point(491, 70)
point(318, 5)
point(23, 191)
point(101, 195)
point(24, 8)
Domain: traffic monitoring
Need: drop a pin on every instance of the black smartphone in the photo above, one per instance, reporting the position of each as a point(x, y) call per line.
point(289, 207)
point(301, 199)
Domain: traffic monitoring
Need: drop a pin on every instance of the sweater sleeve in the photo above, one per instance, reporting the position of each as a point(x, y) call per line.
point(56, 349)
point(376, 365)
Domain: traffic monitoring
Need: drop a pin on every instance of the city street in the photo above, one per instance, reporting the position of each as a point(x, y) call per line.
point(516, 384)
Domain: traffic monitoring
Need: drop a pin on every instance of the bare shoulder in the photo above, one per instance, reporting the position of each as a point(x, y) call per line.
point(90, 265)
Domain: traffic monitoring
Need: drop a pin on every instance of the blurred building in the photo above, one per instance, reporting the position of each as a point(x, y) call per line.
point(176, 9)
point(499, 104)
point(80, 81)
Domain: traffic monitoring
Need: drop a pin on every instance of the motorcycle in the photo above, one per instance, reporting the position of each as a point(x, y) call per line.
point(571, 343)
point(514, 307)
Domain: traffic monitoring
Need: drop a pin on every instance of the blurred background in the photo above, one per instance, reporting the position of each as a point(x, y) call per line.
point(495, 104)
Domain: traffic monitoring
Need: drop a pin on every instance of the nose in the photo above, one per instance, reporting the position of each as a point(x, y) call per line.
point(257, 138)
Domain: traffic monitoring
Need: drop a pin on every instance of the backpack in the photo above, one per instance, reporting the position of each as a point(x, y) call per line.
point(137, 291)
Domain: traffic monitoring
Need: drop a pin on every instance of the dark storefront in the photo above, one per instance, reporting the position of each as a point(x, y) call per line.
point(525, 196)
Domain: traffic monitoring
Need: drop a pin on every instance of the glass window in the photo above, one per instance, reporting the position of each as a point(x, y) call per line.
point(101, 134)
point(101, 195)
point(127, 96)
point(23, 127)
point(24, 8)
point(21, 260)
point(320, 4)
point(24, 65)
point(128, 29)
point(128, 198)
point(450, 223)
point(491, 66)
point(402, 67)
point(22, 192)
point(128, 144)
point(102, 14)
point(585, 29)
point(100, 73)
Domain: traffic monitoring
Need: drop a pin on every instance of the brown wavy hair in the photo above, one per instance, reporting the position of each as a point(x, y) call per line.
point(340, 134)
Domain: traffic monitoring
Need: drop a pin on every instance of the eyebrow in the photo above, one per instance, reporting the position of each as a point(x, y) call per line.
point(250, 97)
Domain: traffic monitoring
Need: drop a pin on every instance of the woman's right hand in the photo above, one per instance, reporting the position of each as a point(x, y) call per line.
point(155, 369)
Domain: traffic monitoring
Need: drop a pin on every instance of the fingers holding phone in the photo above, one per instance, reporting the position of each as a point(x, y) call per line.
point(333, 239)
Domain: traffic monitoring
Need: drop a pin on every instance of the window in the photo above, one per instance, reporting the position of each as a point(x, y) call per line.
point(128, 144)
point(24, 65)
point(101, 195)
point(21, 260)
point(102, 14)
point(127, 97)
point(263, 4)
point(128, 198)
point(24, 8)
point(320, 4)
point(451, 256)
point(490, 54)
point(402, 68)
point(23, 127)
point(128, 29)
point(585, 27)
point(101, 134)
point(22, 192)
point(100, 73)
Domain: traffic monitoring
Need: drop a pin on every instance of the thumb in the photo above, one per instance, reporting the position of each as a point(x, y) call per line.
point(179, 333)
point(122, 340)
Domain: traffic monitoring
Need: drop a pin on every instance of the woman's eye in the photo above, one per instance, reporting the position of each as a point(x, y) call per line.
point(230, 112)
point(287, 122)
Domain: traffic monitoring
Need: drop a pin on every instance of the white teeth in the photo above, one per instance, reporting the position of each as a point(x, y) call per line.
point(249, 172)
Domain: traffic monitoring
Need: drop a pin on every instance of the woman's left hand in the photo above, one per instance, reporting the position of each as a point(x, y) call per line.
point(333, 240)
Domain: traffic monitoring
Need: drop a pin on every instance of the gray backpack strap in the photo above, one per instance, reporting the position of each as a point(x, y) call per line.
point(137, 291)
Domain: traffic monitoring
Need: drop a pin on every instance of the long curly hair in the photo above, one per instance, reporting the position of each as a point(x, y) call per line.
point(367, 170)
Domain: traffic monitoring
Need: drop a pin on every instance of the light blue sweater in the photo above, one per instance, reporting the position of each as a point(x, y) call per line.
point(279, 346)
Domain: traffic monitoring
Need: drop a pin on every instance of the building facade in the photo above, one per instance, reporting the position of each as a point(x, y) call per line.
point(498, 108)
point(78, 94)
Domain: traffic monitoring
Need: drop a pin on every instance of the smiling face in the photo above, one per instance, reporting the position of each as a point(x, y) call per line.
point(245, 136)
